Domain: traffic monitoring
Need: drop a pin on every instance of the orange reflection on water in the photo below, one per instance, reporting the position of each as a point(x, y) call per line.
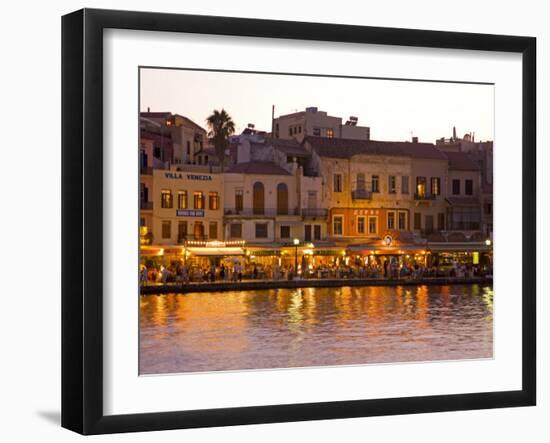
point(313, 326)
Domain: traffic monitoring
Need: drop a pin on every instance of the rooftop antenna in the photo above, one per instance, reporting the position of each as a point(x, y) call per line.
point(272, 121)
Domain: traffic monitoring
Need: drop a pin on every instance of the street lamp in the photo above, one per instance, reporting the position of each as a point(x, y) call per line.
point(488, 242)
point(296, 243)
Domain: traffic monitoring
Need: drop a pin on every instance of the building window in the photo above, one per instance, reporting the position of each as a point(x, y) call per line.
point(456, 186)
point(166, 229)
point(464, 218)
point(417, 220)
point(311, 199)
point(373, 224)
point(142, 221)
point(330, 133)
point(402, 221)
point(391, 184)
point(391, 220)
point(258, 198)
point(182, 231)
point(307, 233)
point(435, 186)
point(317, 132)
point(469, 187)
point(337, 183)
point(361, 182)
point(404, 184)
point(299, 129)
point(290, 131)
point(421, 186)
point(282, 199)
point(213, 230)
point(199, 231)
point(317, 232)
point(166, 199)
point(488, 208)
point(236, 230)
point(144, 193)
point(429, 227)
point(375, 183)
point(182, 199)
point(440, 221)
point(338, 225)
point(261, 230)
point(198, 200)
point(213, 200)
point(360, 225)
point(285, 231)
point(239, 201)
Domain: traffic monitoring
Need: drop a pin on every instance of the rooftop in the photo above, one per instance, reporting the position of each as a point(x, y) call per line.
point(266, 168)
point(346, 148)
point(460, 161)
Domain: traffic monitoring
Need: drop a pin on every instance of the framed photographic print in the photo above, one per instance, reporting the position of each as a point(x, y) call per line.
point(270, 221)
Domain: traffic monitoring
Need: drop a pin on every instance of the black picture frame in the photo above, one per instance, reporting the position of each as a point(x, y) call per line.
point(82, 186)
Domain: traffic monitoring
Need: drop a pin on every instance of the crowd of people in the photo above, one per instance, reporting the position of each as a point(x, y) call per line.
point(235, 272)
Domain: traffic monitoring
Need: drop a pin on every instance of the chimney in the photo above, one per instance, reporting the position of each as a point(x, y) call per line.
point(454, 132)
point(148, 109)
point(415, 139)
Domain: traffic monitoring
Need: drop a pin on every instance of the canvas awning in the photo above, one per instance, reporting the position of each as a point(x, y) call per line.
point(397, 249)
point(459, 247)
point(215, 251)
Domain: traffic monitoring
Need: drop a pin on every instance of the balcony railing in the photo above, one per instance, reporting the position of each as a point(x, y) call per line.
point(418, 196)
point(463, 226)
point(361, 194)
point(145, 205)
point(268, 212)
point(146, 170)
point(314, 212)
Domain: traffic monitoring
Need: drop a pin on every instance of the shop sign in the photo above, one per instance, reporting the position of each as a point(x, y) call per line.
point(189, 213)
point(180, 175)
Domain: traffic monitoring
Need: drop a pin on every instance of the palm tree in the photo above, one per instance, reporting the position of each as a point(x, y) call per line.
point(220, 126)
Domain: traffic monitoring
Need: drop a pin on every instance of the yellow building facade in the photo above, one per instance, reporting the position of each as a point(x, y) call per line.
point(187, 206)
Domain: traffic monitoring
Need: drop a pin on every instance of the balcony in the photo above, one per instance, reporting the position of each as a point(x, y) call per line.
point(314, 212)
point(145, 205)
point(260, 212)
point(361, 194)
point(418, 196)
point(145, 170)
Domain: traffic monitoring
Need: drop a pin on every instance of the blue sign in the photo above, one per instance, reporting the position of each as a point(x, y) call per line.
point(189, 213)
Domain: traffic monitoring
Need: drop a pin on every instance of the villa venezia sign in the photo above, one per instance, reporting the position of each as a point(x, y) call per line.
point(180, 175)
point(189, 213)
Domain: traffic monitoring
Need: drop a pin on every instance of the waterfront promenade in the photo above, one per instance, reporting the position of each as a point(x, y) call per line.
point(251, 285)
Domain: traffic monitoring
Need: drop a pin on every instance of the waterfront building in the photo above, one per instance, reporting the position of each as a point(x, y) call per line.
point(269, 195)
point(188, 137)
point(480, 153)
point(155, 153)
point(463, 194)
point(429, 187)
point(186, 206)
point(374, 187)
point(313, 122)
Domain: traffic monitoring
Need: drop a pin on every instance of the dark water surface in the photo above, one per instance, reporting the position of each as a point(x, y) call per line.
point(283, 328)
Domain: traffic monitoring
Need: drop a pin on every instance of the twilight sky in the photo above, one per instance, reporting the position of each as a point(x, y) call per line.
point(394, 110)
